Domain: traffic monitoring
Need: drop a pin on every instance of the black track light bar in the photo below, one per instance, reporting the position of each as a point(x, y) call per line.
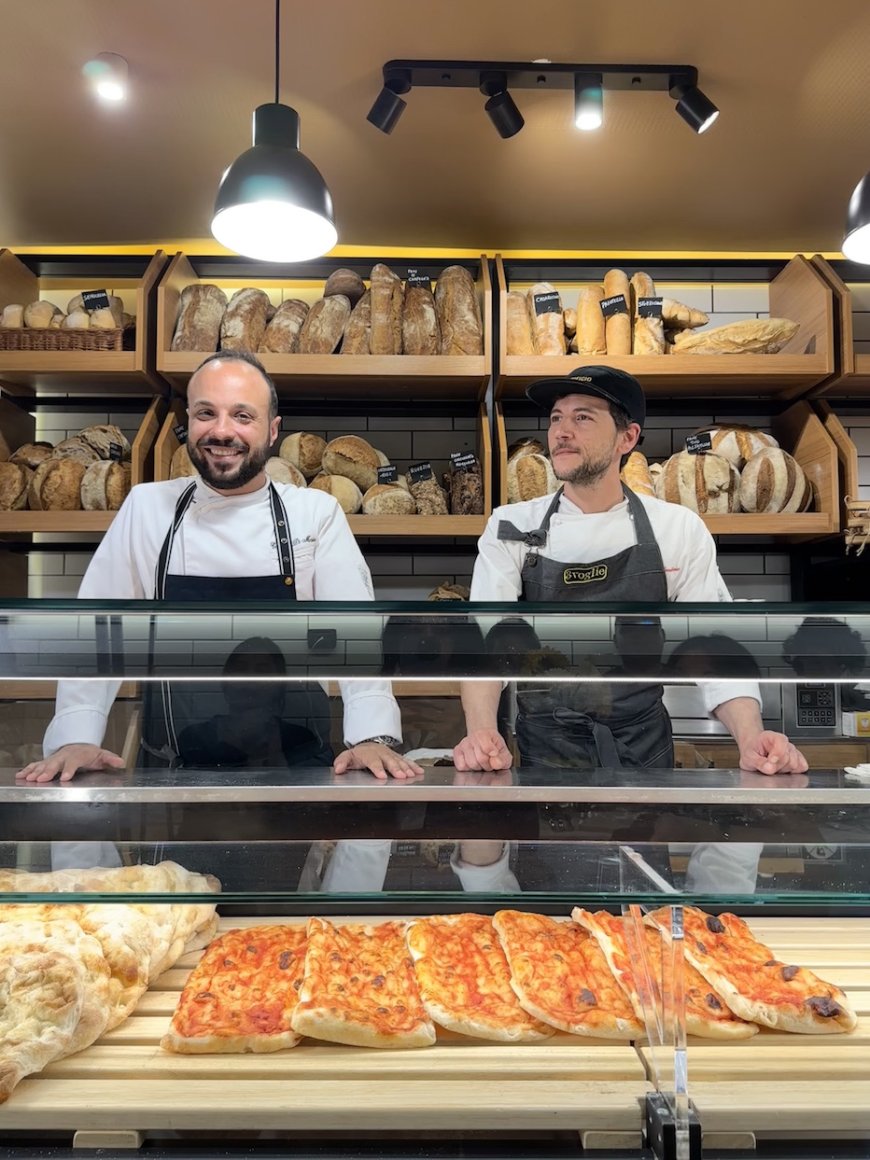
point(467, 74)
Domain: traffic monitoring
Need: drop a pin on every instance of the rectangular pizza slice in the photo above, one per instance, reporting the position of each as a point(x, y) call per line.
point(465, 981)
point(754, 983)
point(560, 975)
point(359, 987)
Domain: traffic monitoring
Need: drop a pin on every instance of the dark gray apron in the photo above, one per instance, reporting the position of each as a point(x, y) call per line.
point(555, 726)
point(233, 724)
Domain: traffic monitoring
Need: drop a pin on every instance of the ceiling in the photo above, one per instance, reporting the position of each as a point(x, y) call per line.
point(773, 174)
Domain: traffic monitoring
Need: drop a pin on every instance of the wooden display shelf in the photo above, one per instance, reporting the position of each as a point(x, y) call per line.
point(329, 376)
point(57, 279)
point(852, 378)
point(798, 292)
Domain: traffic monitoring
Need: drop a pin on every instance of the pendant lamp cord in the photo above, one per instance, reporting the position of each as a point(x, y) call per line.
point(277, 45)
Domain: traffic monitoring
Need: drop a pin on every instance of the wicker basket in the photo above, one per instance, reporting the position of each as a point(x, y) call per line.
point(39, 340)
point(857, 524)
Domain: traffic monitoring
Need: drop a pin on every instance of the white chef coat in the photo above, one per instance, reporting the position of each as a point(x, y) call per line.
point(223, 536)
point(687, 548)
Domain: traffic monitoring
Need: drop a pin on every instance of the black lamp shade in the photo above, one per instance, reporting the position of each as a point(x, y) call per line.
point(386, 111)
point(272, 203)
point(856, 244)
point(696, 109)
point(504, 114)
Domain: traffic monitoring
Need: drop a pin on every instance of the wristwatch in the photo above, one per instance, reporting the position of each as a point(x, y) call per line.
point(382, 739)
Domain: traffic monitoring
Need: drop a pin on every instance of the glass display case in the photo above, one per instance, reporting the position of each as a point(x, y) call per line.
point(228, 814)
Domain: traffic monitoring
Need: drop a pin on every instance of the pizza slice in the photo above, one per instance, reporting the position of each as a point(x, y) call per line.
point(241, 995)
point(359, 987)
point(753, 982)
point(465, 981)
point(560, 975)
point(706, 1012)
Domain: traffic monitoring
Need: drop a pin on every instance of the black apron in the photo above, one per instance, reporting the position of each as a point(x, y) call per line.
point(556, 725)
point(234, 724)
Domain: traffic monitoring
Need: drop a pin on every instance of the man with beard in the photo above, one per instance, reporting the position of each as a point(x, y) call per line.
point(595, 540)
point(229, 535)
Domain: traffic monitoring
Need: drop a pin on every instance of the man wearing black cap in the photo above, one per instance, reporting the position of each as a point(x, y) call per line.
point(595, 540)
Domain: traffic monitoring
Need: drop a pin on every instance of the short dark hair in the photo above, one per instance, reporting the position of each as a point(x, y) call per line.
point(245, 356)
point(620, 417)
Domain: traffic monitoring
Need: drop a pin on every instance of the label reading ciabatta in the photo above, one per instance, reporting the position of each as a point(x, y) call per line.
point(549, 303)
point(180, 432)
point(388, 474)
point(463, 460)
point(415, 278)
point(95, 299)
point(417, 472)
point(589, 574)
point(616, 304)
point(698, 444)
point(649, 307)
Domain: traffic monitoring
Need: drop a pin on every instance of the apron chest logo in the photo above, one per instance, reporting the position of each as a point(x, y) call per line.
point(584, 575)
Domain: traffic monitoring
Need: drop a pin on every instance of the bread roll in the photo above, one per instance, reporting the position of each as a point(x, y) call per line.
point(105, 486)
point(353, 457)
point(244, 320)
point(708, 484)
point(280, 471)
point(58, 322)
point(636, 475)
point(31, 454)
point(617, 327)
point(77, 320)
point(346, 282)
point(358, 332)
point(676, 316)
point(200, 312)
point(739, 443)
point(304, 451)
point(458, 312)
point(180, 466)
point(12, 317)
point(548, 333)
point(649, 333)
point(38, 315)
point(569, 321)
point(387, 299)
point(104, 319)
point(519, 326)
point(14, 483)
point(773, 481)
point(102, 437)
point(116, 306)
point(75, 448)
point(751, 336)
point(420, 333)
point(430, 497)
point(525, 447)
point(590, 338)
point(530, 476)
point(57, 486)
point(388, 499)
point(465, 490)
point(324, 325)
point(340, 488)
point(281, 335)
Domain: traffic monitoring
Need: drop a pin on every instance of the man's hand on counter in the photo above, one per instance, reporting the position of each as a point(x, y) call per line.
point(771, 753)
point(70, 760)
point(378, 759)
point(482, 749)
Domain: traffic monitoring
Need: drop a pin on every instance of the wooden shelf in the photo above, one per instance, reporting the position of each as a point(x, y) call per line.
point(756, 524)
point(26, 523)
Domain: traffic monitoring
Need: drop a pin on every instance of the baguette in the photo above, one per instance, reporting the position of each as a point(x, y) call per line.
point(618, 326)
point(590, 336)
point(548, 328)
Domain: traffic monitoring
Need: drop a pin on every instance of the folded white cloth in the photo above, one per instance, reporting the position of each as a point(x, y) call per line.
point(858, 772)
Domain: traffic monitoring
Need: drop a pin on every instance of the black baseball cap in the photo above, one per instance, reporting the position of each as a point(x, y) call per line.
point(603, 382)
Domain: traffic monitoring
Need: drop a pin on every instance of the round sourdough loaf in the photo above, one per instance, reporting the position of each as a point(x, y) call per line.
point(353, 457)
point(530, 476)
point(75, 448)
point(105, 486)
point(32, 454)
point(388, 499)
point(102, 437)
point(57, 486)
point(14, 481)
point(525, 447)
point(304, 451)
point(773, 481)
point(737, 444)
point(281, 471)
point(180, 465)
point(346, 282)
point(340, 488)
point(706, 483)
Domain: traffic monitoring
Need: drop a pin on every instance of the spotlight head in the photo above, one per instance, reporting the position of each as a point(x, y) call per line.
point(389, 106)
point(856, 244)
point(106, 75)
point(500, 107)
point(588, 101)
point(695, 107)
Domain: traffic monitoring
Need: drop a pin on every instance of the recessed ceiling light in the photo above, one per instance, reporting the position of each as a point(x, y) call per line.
point(106, 75)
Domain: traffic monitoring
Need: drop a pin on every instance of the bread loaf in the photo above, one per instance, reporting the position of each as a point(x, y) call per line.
point(648, 336)
point(358, 332)
point(519, 326)
point(751, 336)
point(545, 316)
point(116, 307)
point(180, 466)
point(388, 499)
point(448, 591)
point(38, 315)
point(281, 471)
point(708, 484)
point(244, 320)
point(75, 448)
point(420, 333)
point(430, 497)
point(57, 486)
point(103, 438)
point(104, 319)
point(590, 338)
point(636, 475)
point(617, 327)
point(569, 321)
point(12, 317)
point(738, 443)
point(14, 483)
point(200, 312)
point(773, 481)
point(525, 447)
point(458, 312)
point(281, 335)
point(346, 282)
point(304, 451)
point(58, 322)
point(676, 316)
point(324, 325)
point(77, 320)
point(105, 486)
point(342, 489)
point(387, 298)
point(465, 491)
point(530, 476)
point(31, 454)
point(353, 457)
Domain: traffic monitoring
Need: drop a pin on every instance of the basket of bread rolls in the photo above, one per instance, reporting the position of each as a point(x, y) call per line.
point(44, 326)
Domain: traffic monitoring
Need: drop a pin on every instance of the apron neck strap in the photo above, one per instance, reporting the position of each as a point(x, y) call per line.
point(538, 536)
point(184, 502)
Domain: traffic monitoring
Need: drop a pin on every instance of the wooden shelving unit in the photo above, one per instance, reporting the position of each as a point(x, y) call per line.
point(852, 379)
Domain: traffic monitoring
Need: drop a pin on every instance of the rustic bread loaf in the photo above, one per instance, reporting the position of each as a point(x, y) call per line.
point(352, 457)
point(420, 333)
point(708, 484)
point(281, 335)
point(648, 335)
point(569, 321)
point(548, 332)
point(530, 476)
point(458, 312)
point(244, 320)
point(430, 497)
point(57, 486)
point(14, 483)
point(527, 446)
point(75, 448)
point(617, 327)
point(340, 488)
point(281, 471)
point(387, 298)
point(31, 454)
point(200, 312)
point(750, 336)
point(676, 316)
point(116, 307)
point(388, 499)
point(590, 336)
point(773, 481)
point(180, 466)
point(305, 451)
point(324, 325)
point(519, 325)
point(358, 332)
point(346, 282)
point(12, 316)
point(104, 319)
point(465, 490)
point(38, 315)
point(636, 476)
point(102, 437)
point(738, 443)
point(105, 486)
point(448, 591)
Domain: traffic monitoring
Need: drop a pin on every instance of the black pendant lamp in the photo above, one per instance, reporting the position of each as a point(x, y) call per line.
point(856, 244)
point(272, 202)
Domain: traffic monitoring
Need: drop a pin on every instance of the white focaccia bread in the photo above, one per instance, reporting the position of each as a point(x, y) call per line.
point(737, 444)
point(773, 481)
point(636, 475)
point(340, 488)
point(304, 451)
point(708, 484)
point(749, 336)
point(530, 476)
point(282, 471)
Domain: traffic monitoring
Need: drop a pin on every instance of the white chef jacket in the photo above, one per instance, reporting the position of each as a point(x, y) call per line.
point(223, 536)
point(687, 548)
